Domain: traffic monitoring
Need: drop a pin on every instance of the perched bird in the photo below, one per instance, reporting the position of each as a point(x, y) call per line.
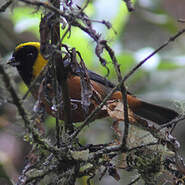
point(29, 62)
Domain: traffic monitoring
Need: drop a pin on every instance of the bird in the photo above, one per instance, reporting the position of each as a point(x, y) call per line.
point(29, 61)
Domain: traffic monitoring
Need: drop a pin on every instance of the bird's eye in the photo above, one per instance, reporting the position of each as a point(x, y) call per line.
point(30, 54)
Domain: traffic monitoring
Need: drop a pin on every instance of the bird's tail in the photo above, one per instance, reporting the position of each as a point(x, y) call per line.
point(155, 113)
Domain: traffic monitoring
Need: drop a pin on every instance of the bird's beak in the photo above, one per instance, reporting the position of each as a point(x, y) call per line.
point(13, 62)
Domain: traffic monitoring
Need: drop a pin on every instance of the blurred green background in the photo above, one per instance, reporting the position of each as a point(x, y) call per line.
point(133, 37)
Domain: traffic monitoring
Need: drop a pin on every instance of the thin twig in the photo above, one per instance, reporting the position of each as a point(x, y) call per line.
point(143, 146)
point(133, 70)
point(55, 37)
point(110, 150)
point(69, 17)
point(5, 6)
point(65, 33)
point(135, 180)
point(57, 101)
point(171, 39)
point(28, 124)
point(36, 174)
point(90, 117)
point(16, 99)
point(95, 36)
point(124, 95)
point(173, 122)
point(129, 5)
point(85, 6)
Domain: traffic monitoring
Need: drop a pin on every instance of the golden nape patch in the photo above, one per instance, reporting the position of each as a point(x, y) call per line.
point(39, 64)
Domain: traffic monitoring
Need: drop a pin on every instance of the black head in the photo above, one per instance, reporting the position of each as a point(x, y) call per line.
point(24, 58)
